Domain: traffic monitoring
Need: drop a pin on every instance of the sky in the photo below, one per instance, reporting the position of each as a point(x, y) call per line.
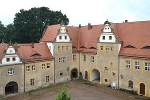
point(82, 11)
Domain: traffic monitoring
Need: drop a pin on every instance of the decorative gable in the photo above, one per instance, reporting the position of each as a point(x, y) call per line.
point(63, 35)
point(107, 34)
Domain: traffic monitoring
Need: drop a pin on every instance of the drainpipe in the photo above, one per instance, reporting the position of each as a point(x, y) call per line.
point(79, 65)
point(24, 76)
point(118, 70)
point(54, 70)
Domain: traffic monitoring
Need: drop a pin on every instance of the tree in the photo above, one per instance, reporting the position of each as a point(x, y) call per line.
point(2, 31)
point(63, 94)
point(30, 24)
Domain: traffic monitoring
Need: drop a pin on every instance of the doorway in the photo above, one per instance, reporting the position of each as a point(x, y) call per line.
point(11, 87)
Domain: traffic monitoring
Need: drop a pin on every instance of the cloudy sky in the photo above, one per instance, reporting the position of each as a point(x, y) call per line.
point(82, 11)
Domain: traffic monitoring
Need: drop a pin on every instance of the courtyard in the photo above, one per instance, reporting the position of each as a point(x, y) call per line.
point(79, 90)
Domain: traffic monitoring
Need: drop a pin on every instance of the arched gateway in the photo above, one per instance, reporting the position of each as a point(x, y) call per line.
point(11, 87)
point(74, 73)
point(95, 75)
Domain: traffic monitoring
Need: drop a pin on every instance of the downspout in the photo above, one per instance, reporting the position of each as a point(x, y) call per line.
point(24, 76)
point(79, 65)
point(118, 70)
point(54, 70)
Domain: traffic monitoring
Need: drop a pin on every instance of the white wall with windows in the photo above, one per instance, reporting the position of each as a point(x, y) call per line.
point(63, 38)
point(107, 37)
point(50, 45)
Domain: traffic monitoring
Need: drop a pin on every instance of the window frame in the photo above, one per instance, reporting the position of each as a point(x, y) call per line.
point(48, 65)
point(84, 58)
point(74, 57)
point(10, 71)
point(103, 37)
point(43, 66)
point(110, 37)
point(7, 59)
point(137, 65)
point(60, 37)
point(147, 66)
point(27, 68)
point(47, 78)
point(130, 84)
point(92, 59)
point(65, 37)
point(128, 64)
point(33, 67)
point(32, 83)
point(14, 59)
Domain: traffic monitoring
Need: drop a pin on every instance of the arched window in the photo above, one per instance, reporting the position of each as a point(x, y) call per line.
point(10, 71)
point(130, 84)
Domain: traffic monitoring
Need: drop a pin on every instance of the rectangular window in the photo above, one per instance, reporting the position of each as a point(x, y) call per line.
point(147, 66)
point(14, 59)
point(7, 59)
point(60, 60)
point(127, 64)
point(65, 37)
point(43, 66)
point(60, 37)
point(137, 65)
point(110, 37)
point(32, 82)
point(84, 57)
point(47, 79)
point(74, 57)
point(48, 65)
point(33, 67)
point(103, 37)
point(101, 48)
point(107, 48)
point(92, 58)
point(27, 68)
point(66, 47)
point(111, 48)
point(64, 59)
point(58, 47)
point(62, 47)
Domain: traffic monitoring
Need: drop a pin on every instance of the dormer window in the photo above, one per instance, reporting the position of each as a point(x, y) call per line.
point(103, 37)
point(129, 46)
point(7, 59)
point(60, 37)
point(146, 47)
point(65, 37)
point(110, 37)
point(14, 59)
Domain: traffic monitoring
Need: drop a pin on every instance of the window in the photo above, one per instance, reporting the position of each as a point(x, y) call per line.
point(92, 58)
point(7, 59)
point(64, 59)
point(32, 82)
point(130, 84)
point(147, 66)
point(10, 71)
point(60, 37)
point(27, 68)
point(113, 73)
point(60, 60)
point(14, 59)
point(110, 37)
point(65, 37)
point(137, 65)
point(101, 48)
point(62, 47)
point(103, 37)
point(74, 57)
point(33, 67)
point(127, 64)
point(107, 48)
point(47, 79)
point(84, 57)
point(66, 47)
point(43, 66)
point(48, 65)
point(111, 48)
point(58, 47)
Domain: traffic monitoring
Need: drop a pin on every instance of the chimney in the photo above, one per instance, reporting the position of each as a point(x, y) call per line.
point(79, 25)
point(126, 21)
point(32, 44)
point(89, 26)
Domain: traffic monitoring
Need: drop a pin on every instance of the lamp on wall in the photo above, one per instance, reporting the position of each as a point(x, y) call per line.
point(121, 76)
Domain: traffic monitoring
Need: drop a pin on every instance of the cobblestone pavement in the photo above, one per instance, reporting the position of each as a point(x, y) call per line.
point(79, 90)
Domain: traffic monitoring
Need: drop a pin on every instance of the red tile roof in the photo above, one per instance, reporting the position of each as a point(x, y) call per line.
point(39, 52)
point(3, 47)
point(85, 40)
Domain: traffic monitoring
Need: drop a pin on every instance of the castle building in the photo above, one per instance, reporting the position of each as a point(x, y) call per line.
point(116, 54)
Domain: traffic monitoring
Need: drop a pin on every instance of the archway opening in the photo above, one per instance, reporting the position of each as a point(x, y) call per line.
point(74, 73)
point(11, 87)
point(142, 88)
point(95, 75)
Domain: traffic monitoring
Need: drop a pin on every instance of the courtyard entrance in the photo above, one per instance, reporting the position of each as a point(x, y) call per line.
point(95, 76)
point(11, 87)
point(74, 73)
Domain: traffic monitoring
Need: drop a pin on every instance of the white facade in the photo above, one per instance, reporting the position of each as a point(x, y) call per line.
point(51, 47)
point(63, 38)
point(107, 37)
point(10, 57)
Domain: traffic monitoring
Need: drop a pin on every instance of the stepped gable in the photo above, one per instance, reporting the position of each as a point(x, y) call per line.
point(136, 34)
point(39, 52)
point(3, 47)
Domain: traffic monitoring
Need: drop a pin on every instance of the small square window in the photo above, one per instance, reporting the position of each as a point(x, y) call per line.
point(48, 65)
point(10, 71)
point(101, 48)
point(65, 37)
point(112, 48)
point(47, 79)
point(60, 37)
point(107, 48)
point(27, 68)
point(110, 37)
point(14, 59)
point(7, 59)
point(74, 57)
point(43, 66)
point(32, 82)
point(103, 37)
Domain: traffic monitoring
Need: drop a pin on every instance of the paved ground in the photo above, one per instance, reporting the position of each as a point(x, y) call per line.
point(79, 90)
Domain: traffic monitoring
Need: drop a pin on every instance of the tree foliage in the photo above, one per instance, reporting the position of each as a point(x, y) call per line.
point(2, 31)
point(63, 94)
point(30, 24)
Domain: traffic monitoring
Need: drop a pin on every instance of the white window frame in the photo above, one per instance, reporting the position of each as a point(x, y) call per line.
point(48, 65)
point(128, 64)
point(84, 58)
point(10, 71)
point(137, 65)
point(47, 78)
point(130, 84)
point(147, 66)
point(33, 67)
point(92, 58)
point(14, 59)
point(32, 82)
point(27, 68)
point(7, 59)
point(43, 66)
